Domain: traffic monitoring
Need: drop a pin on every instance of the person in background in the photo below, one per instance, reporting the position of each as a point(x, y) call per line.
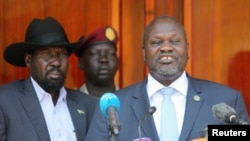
point(98, 59)
point(40, 108)
point(165, 50)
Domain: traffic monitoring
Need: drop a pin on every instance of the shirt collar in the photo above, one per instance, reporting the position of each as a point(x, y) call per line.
point(41, 93)
point(180, 84)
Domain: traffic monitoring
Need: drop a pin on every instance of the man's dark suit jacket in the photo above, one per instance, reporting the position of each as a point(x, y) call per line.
point(198, 114)
point(21, 116)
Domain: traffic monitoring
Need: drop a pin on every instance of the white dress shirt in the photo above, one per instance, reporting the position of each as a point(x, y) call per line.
point(57, 117)
point(179, 98)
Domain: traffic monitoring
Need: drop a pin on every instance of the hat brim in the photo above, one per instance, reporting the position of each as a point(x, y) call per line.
point(14, 53)
point(82, 47)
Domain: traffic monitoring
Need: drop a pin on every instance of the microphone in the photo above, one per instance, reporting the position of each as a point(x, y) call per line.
point(204, 132)
point(110, 106)
point(151, 111)
point(227, 114)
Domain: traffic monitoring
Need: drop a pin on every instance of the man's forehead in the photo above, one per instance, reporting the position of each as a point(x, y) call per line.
point(102, 46)
point(163, 28)
point(48, 48)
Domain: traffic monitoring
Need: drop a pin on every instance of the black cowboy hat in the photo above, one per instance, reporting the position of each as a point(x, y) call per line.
point(40, 33)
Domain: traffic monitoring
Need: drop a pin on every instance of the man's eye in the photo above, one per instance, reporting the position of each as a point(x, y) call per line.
point(111, 54)
point(92, 53)
point(174, 42)
point(64, 53)
point(156, 42)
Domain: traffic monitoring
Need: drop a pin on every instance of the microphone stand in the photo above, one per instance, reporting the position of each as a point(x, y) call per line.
point(140, 123)
point(150, 112)
point(112, 136)
point(114, 125)
point(114, 131)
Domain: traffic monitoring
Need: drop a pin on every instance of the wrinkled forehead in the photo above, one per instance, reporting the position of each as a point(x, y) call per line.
point(166, 26)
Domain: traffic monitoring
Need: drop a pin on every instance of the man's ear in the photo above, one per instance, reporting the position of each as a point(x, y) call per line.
point(27, 59)
point(118, 63)
point(81, 63)
point(143, 52)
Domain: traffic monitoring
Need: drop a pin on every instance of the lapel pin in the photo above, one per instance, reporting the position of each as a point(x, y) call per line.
point(81, 112)
point(197, 98)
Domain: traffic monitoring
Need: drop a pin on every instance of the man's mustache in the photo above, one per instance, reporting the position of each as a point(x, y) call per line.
point(55, 69)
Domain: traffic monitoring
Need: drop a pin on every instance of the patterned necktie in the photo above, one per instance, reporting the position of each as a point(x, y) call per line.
point(169, 129)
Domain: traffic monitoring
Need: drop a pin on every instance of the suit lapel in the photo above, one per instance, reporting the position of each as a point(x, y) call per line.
point(78, 116)
point(148, 128)
point(193, 105)
point(33, 109)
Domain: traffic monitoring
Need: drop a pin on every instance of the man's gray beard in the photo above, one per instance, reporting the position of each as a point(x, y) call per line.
point(167, 73)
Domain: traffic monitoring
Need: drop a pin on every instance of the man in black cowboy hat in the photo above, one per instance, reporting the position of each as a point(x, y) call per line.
point(40, 108)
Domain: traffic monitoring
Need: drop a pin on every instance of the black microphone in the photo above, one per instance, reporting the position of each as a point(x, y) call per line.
point(151, 111)
point(227, 114)
point(110, 106)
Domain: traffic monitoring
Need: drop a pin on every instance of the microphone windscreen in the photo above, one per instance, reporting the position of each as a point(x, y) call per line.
point(204, 132)
point(222, 111)
point(109, 100)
